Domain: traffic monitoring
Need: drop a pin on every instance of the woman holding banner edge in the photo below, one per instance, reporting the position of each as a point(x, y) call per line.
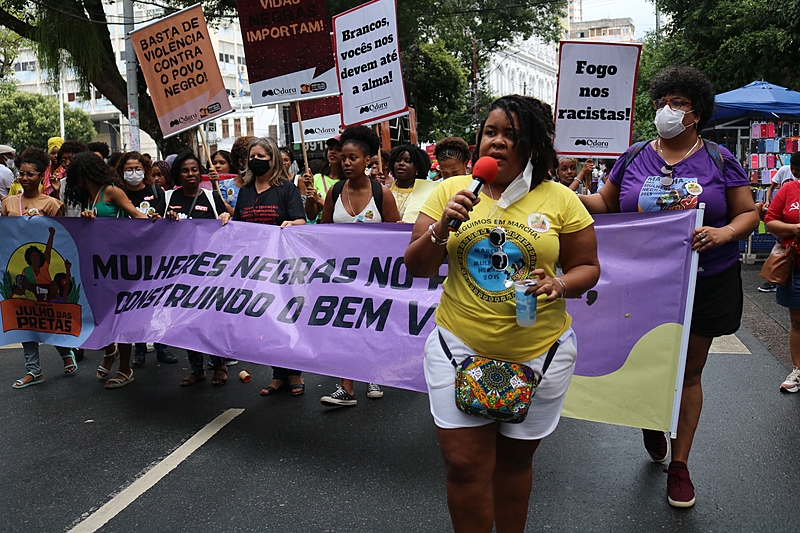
point(269, 196)
point(528, 223)
point(680, 170)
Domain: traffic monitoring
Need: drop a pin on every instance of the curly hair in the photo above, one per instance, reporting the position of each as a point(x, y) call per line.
point(135, 156)
point(688, 82)
point(363, 137)
point(452, 148)
point(226, 155)
point(166, 172)
point(87, 166)
point(35, 157)
point(102, 148)
point(279, 173)
point(239, 151)
point(177, 163)
point(29, 255)
point(534, 140)
point(420, 159)
point(71, 147)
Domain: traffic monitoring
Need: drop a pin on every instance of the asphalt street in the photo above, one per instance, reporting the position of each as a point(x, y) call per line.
point(74, 451)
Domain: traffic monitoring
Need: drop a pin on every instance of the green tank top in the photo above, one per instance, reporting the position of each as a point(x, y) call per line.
point(103, 209)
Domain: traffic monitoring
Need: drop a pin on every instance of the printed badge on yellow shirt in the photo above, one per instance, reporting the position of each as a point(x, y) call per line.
point(478, 304)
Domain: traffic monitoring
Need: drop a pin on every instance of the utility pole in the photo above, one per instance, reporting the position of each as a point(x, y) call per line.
point(133, 89)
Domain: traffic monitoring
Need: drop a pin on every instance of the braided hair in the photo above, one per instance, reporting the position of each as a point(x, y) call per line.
point(452, 148)
point(533, 141)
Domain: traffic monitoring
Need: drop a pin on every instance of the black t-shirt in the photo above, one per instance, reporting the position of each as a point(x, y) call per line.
point(149, 200)
point(180, 203)
point(274, 206)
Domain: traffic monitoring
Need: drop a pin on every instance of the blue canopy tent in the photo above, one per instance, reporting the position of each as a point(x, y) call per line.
point(757, 99)
point(734, 110)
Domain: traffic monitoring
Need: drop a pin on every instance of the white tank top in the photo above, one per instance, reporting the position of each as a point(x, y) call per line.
point(369, 214)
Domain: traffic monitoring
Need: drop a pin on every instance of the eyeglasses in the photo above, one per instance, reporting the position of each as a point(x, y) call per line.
point(674, 103)
point(497, 238)
point(24, 174)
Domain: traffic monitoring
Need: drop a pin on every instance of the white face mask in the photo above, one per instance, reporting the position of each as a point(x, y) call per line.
point(10, 163)
point(669, 122)
point(134, 177)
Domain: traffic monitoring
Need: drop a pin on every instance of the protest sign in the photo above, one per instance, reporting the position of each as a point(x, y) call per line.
point(595, 97)
point(368, 63)
point(331, 298)
point(287, 48)
point(181, 71)
point(321, 120)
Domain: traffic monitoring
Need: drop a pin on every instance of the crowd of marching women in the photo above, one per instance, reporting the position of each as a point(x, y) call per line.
point(488, 464)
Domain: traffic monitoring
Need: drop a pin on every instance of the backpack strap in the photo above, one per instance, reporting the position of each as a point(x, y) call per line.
point(632, 153)
point(210, 198)
point(377, 194)
point(716, 155)
point(336, 191)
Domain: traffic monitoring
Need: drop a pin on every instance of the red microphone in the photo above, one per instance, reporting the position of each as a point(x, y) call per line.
point(484, 172)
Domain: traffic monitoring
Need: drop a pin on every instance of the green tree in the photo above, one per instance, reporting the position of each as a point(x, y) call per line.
point(734, 42)
point(28, 119)
point(10, 43)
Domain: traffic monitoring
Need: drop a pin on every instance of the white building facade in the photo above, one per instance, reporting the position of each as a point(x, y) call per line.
point(528, 67)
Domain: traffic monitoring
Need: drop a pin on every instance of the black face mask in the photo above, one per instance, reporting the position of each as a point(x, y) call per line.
point(259, 167)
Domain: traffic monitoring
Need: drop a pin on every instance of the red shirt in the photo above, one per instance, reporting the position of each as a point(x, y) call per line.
point(785, 207)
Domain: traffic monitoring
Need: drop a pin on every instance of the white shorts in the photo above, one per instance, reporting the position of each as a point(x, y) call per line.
point(546, 405)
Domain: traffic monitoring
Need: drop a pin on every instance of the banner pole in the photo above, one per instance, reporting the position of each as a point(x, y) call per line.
point(302, 134)
point(687, 322)
point(202, 132)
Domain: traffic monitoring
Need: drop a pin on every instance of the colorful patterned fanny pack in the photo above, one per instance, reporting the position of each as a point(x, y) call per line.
point(497, 390)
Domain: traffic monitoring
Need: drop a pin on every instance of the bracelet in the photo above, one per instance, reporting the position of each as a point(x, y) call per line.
point(563, 288)
point(733, 230)
point(576, 179)
point(435, 238)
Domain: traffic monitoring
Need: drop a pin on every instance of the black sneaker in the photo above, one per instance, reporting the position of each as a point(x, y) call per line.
point(768, 287)
point(657, 445)
point(339, 398)
point(166, 357)
point(137, 360)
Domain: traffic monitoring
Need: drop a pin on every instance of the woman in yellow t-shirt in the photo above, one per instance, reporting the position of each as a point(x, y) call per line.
point(518, 228)
point(407, 163)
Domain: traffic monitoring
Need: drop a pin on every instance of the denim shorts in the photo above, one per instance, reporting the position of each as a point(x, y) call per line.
point(789, 295)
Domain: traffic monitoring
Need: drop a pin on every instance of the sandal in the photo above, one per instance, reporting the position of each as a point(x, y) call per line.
point(103, 372)
point(297, 389)
point(192, 378)
point(220, 377)
point(21, 383)
point(73, 366)
point(270, 390)
point(119, 380)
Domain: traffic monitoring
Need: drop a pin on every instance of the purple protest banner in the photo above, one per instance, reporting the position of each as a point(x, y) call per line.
point(330, 299)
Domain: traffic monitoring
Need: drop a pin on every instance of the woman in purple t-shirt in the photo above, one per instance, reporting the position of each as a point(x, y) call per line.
point(679, 170)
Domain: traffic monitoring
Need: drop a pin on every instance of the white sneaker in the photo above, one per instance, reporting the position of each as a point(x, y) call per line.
point(374, 392)
point(151, 347)
point(792, 382)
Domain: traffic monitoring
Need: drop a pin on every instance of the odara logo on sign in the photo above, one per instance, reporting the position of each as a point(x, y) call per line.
point(39, 292)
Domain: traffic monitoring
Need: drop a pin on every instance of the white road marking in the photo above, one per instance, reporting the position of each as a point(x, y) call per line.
point(728, 344)
point(122, 500)
point(11, 346)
